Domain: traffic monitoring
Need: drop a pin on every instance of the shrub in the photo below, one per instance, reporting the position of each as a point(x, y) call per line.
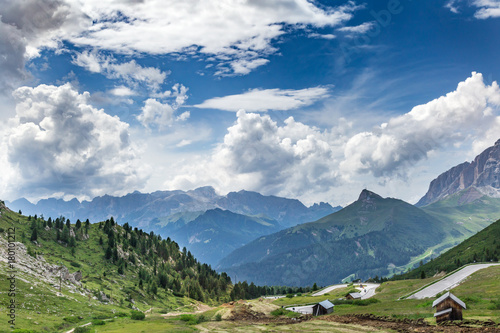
point(495, 305)
point(365, 302)
point(98, 322)
point(289, 295)
point(279, 312)
point(82, 330)
point(71, 319)
point(137, 315)
point(121, 314)
point(218, 317)
point(189, 319)
point(75, 264)
point(176, 294)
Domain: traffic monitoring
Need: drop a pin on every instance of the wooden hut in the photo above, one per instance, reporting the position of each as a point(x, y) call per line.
point(448, 307)
point(353, 296)
point(322, 308)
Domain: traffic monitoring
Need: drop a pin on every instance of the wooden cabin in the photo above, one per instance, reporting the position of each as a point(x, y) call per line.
point(448, 307)
point(323, 308)
point(353, 296)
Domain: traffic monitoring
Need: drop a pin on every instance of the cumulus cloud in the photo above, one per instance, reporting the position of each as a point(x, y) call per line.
point(130, 72)
point(259, 100)
point(487, 8)
point(58, 142)
point(161, 115)
point(469, 111)
point(25, 28)
point(258, 154)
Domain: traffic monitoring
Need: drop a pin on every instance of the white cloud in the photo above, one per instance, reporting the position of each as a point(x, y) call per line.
point(359, 29)
point(241, 32)
point(468, 112)
point(322, 36)
point(452, 6)
point(130, 72)
point(122, 91)
point(487, 8)
point(58, 142)
point(259, 100)
point(161, 115)
point(258, 154)
point(244, 66)
point(302, 161)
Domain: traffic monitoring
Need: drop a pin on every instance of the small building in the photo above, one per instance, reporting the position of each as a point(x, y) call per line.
point(448, 307)
point(323, 308)
point(353, 296)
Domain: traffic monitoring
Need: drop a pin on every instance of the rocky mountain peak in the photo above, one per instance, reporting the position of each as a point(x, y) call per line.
point(483, 173)
point(367, 195)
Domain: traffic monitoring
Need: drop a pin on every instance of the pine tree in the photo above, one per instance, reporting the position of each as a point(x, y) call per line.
point(34, 235)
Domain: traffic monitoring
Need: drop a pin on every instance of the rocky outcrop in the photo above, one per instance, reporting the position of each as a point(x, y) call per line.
point(482, 174)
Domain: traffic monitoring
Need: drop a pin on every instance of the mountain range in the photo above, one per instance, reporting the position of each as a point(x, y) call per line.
point(208, 224)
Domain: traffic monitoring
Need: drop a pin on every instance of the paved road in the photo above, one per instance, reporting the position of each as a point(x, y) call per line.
point(328, 289)
point(307, 309)
point(449, 282)
point(369, 290)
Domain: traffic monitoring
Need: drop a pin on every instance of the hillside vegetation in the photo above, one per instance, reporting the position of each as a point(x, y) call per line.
point(482, 247)
point(86, 270)
point(370, 237)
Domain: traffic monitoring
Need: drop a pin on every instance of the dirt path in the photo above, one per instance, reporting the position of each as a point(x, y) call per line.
point(408, 325)
point(200, 307)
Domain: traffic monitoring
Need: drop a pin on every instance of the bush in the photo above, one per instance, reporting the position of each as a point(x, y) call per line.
point(279, 312)
point(137, 315)
point(289, 295)
point(121, 314)
point(98, 322)
point(82, 330)
point(75, 264)
point(71, 319)
point(495, 305)
point(218, 317)
point(189, 319)
point(365, 302)
point(176, 294)
point(22, 330)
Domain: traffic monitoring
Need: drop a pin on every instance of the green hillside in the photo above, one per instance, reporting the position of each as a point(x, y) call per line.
point(66, 273)
point(482, 247)
point(370, 237)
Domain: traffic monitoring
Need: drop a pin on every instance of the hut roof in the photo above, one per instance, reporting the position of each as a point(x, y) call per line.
point(449, 295)
point(437, 314)
point(355, 295)
point(326, 304)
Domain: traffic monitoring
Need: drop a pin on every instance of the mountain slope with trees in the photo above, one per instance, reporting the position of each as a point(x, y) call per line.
point(367, 238)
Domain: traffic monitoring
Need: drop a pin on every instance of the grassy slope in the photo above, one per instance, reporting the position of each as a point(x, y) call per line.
point(482, 247)
point(40, 307)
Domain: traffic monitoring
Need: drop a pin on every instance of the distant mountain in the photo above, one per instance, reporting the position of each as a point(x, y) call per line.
point(141, 209)
point(483, 174)
point(366, 238)
point(208, 224)
point(213, 234)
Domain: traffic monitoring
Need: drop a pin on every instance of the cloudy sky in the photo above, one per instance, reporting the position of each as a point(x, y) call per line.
point(308, 99)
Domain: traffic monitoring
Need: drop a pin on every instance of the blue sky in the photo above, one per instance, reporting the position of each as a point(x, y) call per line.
point(314, 100)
